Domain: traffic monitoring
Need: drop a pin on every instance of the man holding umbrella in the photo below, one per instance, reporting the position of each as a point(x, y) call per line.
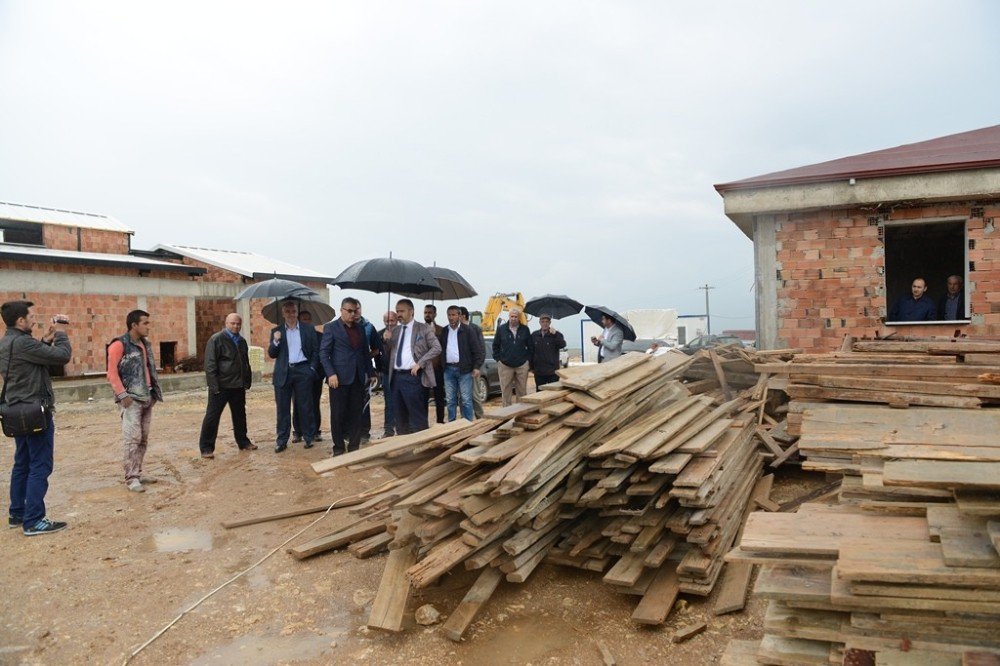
point(295, 349)
point(610, 341)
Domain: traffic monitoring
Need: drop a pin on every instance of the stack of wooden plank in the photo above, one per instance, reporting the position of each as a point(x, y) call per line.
point(617, 468)
point(906, 566)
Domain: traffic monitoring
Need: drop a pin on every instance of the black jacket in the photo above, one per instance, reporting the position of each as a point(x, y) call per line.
point(470, 355)
point(227, 366)
point(27, 373)
point(943, 302)
point(545, 359)
point(512, 352)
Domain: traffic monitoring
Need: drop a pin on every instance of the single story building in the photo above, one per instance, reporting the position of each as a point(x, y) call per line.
point(837, 243)
point(83, 265)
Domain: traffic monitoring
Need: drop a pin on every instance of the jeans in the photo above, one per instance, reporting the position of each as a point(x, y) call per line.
point(29, 477)
point(136, 419)
point(458, 385)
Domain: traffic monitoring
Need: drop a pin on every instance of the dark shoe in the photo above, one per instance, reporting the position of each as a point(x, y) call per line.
point(296, 439)
point(278, 448)
point(308, 445)
point(44, 526)
point(207, 454)
point(319, 438)
point(338, 452)
point(14, 521)
point(249, 447)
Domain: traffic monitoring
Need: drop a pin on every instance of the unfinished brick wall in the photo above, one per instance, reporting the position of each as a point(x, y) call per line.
point(210, 318)
point(831, 274)
point(60, 237)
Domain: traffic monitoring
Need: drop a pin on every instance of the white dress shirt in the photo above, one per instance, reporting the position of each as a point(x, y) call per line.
point(407, 356)
point(451, 354)
point(294, 337)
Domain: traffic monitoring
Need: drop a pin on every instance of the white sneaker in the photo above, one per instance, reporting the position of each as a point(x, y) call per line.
point(136, 487)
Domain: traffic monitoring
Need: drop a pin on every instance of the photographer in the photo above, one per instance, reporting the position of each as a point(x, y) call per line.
point(24, 362)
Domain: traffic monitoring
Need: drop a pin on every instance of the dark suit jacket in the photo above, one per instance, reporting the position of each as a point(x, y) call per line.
point(961, 306)
point(279, 352)
point(340, 358)
point(470, 355)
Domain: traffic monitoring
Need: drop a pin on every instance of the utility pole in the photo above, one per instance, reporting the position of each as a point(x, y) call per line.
point(708, 316)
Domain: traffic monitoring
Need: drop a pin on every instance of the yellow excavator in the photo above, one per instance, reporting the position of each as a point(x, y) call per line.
point(498, 302)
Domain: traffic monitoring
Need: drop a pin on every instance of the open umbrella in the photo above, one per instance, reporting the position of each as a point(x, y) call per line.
point(453, 285)
point(556, 305)
point(275, 288)
point(388, 274)
point(321, 311)
point(595, 312)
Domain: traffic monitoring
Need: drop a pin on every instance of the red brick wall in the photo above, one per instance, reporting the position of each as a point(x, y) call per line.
point(830, 281)
point(59, 237)
point(210, 317)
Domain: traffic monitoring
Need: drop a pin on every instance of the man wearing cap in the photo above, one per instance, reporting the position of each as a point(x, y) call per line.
point(546, 342)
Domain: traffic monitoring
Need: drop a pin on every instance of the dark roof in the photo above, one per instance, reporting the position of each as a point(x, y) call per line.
point(978, 149)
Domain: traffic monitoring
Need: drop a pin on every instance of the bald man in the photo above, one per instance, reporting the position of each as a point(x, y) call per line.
point(227, 370)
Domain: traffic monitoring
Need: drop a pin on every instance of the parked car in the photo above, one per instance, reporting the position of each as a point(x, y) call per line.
point(487, 384)
point(643, 345)
point(709, 341)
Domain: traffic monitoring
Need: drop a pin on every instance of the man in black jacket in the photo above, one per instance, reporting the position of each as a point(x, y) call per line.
point(462, 359)
point(24, 362)
point(546, 342)
point(227, 371)
point(512, 348)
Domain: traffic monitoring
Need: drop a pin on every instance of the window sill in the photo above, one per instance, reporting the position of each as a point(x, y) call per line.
point(953, 322)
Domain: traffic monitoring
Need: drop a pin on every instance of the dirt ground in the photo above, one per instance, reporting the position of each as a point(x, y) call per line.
point(130, 563)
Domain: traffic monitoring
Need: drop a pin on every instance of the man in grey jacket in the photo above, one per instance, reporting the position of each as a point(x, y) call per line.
point(24, 363)
point(227, 373)
point(610, 342)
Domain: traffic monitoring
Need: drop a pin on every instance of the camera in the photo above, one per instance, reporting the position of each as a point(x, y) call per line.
point(60, 319)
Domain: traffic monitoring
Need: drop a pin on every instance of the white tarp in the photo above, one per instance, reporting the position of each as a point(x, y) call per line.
point(660, 324)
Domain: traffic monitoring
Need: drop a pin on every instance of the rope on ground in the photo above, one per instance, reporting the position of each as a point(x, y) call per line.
point(231, 580)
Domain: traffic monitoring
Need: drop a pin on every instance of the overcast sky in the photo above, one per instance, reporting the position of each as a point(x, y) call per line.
point(532, 146)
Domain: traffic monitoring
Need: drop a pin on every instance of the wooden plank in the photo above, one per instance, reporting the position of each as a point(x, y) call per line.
point(545, 397)
point(392, 445)
point(281, 516)
point(798, 391)
point(942, 474)
point(659, 598)
point(584, 377)
point(897, 384)
point(336, 540)
point(736, 578)
point(826, 534)
point(473, 601)
point(689, 630)
point(394, 590)
point(510, 411)
point(910, 562)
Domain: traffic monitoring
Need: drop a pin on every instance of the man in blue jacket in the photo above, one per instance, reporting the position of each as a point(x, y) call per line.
point(916, 306)
point(347, 363)
point(295, 349)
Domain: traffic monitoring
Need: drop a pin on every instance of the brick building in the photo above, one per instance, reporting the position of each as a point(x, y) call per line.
point(836, 243)
point(83, 265)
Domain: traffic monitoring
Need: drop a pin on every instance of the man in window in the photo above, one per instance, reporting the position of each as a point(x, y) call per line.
point(916, 306)
point(952, 304)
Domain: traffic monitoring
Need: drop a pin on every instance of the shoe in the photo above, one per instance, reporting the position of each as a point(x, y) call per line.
point(135, 486)
point(208, 455)
point(278, 448)
point(44, 526)
point(249, 447)
point(338, 452)
point(319, 438)
point(308, 445)
point(148, 480)
point(296, 439)
point(14, 521)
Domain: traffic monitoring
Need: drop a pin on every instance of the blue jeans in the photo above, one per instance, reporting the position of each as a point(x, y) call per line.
point(458, 385)
point(29, 477)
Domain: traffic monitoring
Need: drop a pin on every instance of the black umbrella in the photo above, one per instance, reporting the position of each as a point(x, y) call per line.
point(275, 288)
point(595, 312)
point(556, 305)
point(388, 274)
point(453, 285)
point(321, 311)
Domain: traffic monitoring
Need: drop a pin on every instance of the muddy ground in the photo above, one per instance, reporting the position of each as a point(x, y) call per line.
point(130, 563)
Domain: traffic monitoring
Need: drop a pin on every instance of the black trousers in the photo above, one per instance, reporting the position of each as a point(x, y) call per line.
point(318, 415)
point(236, 398)
point(440, 399)
point(298, 387)
point(346, 406)
point(542, 380)
point(409, 403)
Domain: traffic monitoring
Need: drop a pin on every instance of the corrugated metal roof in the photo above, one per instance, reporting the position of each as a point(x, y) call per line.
point(68, 218)
point(43, 254)
point(249, 264)
point(978, 149)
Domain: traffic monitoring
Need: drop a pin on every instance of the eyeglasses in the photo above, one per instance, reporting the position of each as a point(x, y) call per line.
point(349, 310)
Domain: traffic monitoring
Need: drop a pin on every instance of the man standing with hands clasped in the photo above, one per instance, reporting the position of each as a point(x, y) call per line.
point(132, 374)
point(513, 349)
point(24, 363)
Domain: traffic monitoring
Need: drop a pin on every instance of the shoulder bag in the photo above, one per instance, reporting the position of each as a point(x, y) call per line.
point(28, 417)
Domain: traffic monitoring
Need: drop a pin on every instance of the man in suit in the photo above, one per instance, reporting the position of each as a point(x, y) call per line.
point(375, 350)
point(462, 359)
point(513, 348)
point(305, 319)
point(412, 346)
point(951, 306)
point(227, 373)
point(477, 337)
point(430, 314)
point(347, 362)
point(610, 342)
point(295, 349)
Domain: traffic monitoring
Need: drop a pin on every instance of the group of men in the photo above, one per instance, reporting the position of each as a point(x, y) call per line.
point(917, 306)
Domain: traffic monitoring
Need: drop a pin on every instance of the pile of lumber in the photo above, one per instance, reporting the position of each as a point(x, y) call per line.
point(905, 567)
point(617, 468)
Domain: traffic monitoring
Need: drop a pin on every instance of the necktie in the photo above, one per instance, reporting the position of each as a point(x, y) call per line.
point(399, 348)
